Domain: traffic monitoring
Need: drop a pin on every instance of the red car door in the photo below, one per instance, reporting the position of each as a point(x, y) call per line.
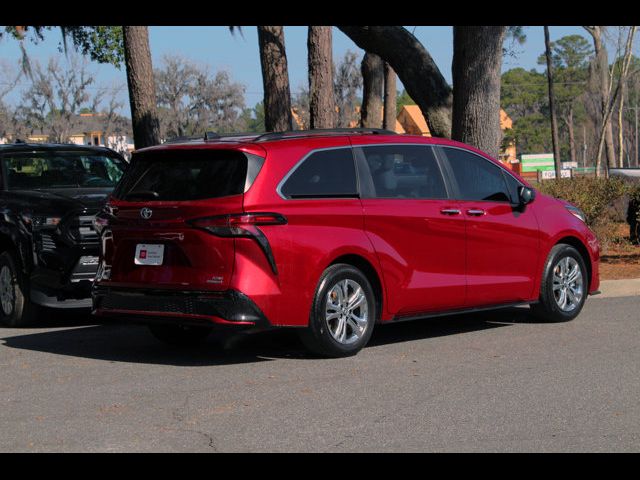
point(417, 232)
point(502, 246)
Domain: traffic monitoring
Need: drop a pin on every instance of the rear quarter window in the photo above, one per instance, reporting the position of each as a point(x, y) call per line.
point(323, 174)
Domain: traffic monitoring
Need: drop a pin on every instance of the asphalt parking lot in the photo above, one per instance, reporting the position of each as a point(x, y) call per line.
point(496, 381)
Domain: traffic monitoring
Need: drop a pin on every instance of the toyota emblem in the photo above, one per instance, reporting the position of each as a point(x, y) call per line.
point(146, 213)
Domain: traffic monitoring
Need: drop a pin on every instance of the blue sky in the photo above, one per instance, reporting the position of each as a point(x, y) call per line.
point(216, 47)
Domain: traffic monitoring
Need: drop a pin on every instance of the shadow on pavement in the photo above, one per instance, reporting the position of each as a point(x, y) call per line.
point(135, 344)
point(54, 318)
point(448, 325)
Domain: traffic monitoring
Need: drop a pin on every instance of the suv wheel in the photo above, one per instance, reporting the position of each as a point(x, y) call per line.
point(180, 335)
point(343, 313)
point(15, 308)
point(564, 285)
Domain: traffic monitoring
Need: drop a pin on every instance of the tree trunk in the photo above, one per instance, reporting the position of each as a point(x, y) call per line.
point(372, 86)
point(142, 91)
point(390, 93)
point(612, 97)
point(635, 111)
point(620, 129)
point(602, 72)
point(477, 59)
point(554, 122)
point(584, 145)
point(322, 105)
point(415, 68)
point(275, 79)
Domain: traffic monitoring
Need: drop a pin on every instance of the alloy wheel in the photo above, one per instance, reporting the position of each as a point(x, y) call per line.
point(568, 284)
point(347, 312)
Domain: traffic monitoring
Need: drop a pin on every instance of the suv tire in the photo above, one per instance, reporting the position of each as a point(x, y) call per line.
point(16, 310)
point(565, 285)
point(343, 313)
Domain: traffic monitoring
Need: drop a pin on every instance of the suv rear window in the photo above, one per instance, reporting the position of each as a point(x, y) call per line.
point(181, 175)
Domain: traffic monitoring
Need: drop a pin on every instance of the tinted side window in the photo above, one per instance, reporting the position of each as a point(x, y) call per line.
point(404, 171)
point(327, 173)
point(477, 178)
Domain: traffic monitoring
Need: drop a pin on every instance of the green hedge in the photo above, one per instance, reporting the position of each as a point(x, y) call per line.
point(594, 196)
point(603, 200)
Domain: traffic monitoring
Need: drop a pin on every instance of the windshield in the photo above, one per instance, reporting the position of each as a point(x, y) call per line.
point(49, 170)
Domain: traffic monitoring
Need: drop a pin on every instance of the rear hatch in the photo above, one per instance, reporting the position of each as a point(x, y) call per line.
point(150, 240)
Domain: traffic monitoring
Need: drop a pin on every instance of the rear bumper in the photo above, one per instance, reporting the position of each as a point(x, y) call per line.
point(227, 308)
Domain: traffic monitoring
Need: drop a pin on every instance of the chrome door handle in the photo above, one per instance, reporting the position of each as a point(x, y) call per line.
point(450, 211)
point(475, 212)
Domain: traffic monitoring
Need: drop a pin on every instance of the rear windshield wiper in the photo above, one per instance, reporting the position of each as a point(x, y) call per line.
point(142, 195)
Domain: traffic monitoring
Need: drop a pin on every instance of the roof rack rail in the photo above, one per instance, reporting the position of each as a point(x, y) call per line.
point(184, 138)
point(212, 136)
point(322, 131)
point(239, 134)
point(261, 137)
point(194, 138)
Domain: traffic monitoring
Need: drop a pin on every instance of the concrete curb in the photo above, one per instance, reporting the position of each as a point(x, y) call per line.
point(619, 288)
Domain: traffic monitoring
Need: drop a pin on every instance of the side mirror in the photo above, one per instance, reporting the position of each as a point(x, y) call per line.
point(526, 195)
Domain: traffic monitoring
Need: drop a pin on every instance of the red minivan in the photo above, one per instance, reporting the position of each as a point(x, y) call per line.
point(332, 232)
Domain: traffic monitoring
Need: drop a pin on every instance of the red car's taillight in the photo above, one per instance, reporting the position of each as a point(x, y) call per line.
point(242, 225)
point(237, 225)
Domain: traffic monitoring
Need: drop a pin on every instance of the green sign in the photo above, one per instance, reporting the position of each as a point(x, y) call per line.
point(535, 162)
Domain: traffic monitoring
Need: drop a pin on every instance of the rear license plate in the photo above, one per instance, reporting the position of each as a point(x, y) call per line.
point(149, 254)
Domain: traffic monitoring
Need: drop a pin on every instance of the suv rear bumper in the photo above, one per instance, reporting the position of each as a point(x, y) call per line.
point(228, 308)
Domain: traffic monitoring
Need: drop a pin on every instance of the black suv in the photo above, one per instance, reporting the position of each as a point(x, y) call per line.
point(49, 195)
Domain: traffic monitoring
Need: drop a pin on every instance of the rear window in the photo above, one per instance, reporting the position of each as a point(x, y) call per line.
point(181, 175)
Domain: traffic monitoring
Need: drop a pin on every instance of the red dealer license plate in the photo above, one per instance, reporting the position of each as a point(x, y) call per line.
point(149, 254)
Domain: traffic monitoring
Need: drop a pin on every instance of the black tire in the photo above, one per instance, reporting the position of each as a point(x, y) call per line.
point(19, 312)
point(548, 309)
point(180, 335)
point(317, 336)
